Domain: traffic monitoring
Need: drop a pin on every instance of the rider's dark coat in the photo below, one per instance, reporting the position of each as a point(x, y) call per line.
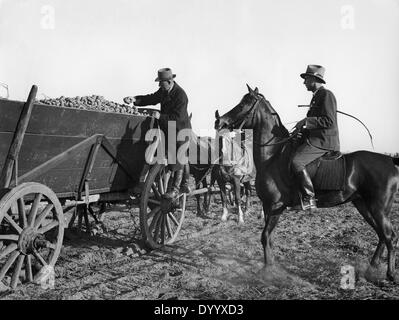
point(321, 121)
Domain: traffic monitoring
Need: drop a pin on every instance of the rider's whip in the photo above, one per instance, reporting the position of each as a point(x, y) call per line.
point(368, 131)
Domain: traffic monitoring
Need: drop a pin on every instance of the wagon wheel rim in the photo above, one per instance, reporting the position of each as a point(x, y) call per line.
point(159, 226)
point(31, 232)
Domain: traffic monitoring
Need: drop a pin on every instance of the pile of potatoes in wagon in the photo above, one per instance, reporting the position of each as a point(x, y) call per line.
point(93, 102)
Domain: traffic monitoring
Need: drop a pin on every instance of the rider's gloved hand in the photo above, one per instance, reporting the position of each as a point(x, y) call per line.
point(297, 134)
point(300, 124)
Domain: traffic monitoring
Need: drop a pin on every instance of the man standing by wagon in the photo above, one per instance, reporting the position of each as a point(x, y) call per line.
point(173, 112)
point(319, 130)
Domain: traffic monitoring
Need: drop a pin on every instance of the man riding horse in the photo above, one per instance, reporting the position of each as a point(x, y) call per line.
point(173, 102)
point(317, 133)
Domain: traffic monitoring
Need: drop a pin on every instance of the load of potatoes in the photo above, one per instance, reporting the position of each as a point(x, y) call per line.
point(93, 102)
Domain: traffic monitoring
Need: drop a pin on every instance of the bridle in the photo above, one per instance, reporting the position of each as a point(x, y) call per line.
point(258, 99)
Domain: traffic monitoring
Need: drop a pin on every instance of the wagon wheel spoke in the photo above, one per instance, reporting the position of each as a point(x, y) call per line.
point(11, 237)
point(17, 271)
point(48, 227)
point(154, 221)
point(162, 229)
point(43, 215)
point(12, 223)
point(8, 264)
point(153, 212)
point(161, 185)
point(157, 225)
point(22, 213)
point(34, 208)
point(28, 267)
point(10, 248)
point(39, 257)
point(156, 191)
point(168, 226)
point(167, 177)
point(157, 202)
point(173, 218)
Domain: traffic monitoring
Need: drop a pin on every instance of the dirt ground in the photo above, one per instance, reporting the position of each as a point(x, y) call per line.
point(216, 260)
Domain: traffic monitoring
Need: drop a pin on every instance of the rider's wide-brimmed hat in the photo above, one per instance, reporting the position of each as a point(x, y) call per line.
point(165, 74)
point(316, 71)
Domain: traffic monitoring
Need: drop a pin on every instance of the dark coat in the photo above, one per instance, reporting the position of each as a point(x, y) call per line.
point(321, 121)
point(173, 108)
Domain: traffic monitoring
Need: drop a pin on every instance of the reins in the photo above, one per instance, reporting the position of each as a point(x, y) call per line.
point(266, 144)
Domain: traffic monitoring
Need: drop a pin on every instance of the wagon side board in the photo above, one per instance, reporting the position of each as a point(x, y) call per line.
point(58, 142)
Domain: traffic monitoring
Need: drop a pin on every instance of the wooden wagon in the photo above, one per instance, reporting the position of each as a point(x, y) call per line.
point(54, 158)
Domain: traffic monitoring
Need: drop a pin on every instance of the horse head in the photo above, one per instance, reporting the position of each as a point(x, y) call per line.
point(252, 108)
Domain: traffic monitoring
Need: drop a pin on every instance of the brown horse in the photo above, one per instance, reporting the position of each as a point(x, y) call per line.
point(371, 179)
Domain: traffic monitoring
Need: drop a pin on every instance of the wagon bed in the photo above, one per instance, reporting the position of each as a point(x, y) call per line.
point(58, 142)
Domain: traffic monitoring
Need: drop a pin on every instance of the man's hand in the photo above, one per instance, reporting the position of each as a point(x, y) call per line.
point(300, 124)
point(129, 100)
point(156, 114)
point(297, 135)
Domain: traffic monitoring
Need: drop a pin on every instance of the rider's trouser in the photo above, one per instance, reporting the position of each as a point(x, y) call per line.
point(304, 155)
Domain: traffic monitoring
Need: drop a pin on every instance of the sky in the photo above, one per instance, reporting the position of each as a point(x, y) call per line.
point(215, 47)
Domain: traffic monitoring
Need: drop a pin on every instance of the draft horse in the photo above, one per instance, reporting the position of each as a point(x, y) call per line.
point(237, 170)
point(209, 160)
point(371, 179)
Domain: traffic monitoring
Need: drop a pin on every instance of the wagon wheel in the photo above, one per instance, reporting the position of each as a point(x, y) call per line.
point(160, 220)
point(31, 232)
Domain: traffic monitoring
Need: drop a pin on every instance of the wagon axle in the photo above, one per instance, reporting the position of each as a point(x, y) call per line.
point(31, 241)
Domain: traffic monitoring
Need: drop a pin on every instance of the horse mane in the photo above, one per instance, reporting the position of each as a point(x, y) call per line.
point(280, 130)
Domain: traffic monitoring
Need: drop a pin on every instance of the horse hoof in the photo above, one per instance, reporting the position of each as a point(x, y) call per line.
point(241, 222)
point(224, 219)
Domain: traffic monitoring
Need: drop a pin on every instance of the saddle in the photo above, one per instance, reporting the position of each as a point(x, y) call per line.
point(328, 172)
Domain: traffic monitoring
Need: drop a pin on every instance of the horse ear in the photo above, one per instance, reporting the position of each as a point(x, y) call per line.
point(256, 90)
point(249, 88)
point(217, 116)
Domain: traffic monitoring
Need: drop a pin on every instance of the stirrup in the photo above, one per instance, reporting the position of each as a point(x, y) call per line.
point(308, 205)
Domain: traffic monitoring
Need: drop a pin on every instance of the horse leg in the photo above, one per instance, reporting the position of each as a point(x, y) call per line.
point(229, 195)
point(222, 188)
point(198, 198)
point(206, 197)
point(247, 188)
point(380, 210)
point(271, 221)
point(362, 208)
point(237, 192)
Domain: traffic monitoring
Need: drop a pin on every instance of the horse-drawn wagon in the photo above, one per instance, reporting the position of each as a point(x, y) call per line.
point(55, 158)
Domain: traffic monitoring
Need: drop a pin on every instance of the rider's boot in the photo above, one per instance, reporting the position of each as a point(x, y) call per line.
point(174, 190)
point(307, 191)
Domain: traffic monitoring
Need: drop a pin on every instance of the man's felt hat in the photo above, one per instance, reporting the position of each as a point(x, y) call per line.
point(316, 71)
point(165, 74)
